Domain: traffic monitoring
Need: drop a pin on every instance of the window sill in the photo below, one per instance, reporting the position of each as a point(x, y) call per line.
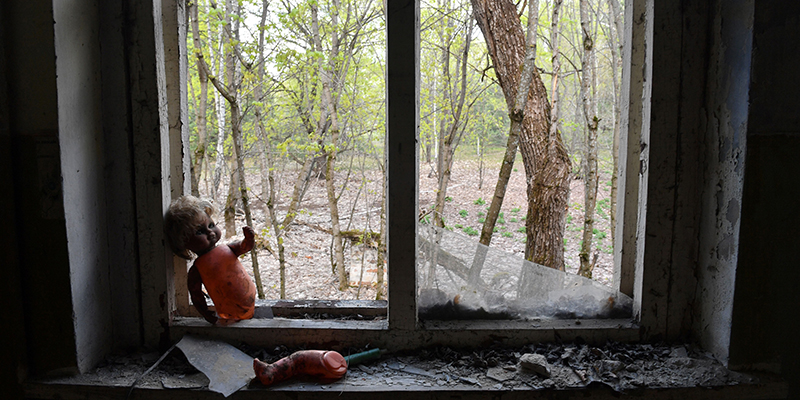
point(768, 388)
point(338, 334)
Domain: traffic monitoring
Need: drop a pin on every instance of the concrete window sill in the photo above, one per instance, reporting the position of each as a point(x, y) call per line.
point(768, 388)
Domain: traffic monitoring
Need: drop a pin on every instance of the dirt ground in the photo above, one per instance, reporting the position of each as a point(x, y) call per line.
point(308, 272)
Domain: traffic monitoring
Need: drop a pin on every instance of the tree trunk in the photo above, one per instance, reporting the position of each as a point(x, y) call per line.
point(555, 40)
point(449, 138)
point(229, 209)
point(379, 295)
point(590, 115)
point(231, 95)
point(266, 161)
point(219, 161)
point(199, 156)
point(546, 161)
point(517, 115)
point(328, 114)
point(616, 57)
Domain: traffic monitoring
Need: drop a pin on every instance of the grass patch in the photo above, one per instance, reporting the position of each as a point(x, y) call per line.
point(470, 231)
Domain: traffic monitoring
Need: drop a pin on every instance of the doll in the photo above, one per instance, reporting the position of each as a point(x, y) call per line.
point(190, 228)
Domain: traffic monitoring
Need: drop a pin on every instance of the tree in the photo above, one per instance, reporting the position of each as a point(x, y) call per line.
point(230, 93)
point(615, 11)
point(545, 158)
point(199, 156)
point(588, 84)
point(452, 126)
point(517, 115)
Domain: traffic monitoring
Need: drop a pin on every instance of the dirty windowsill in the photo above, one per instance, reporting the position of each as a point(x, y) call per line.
point(576, 370)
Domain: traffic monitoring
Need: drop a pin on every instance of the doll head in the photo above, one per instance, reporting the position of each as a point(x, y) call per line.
point(189, 226)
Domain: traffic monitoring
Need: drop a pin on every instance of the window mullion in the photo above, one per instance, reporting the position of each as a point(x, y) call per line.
point(402, 20)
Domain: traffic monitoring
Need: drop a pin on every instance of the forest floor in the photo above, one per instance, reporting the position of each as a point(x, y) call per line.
point(307, 244)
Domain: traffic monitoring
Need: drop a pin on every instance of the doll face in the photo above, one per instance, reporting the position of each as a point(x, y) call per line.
point(205, 236)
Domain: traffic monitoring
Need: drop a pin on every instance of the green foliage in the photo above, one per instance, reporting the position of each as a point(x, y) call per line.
point(507, 234)
point(602, 206)
point(471, 231)
point(290, 105)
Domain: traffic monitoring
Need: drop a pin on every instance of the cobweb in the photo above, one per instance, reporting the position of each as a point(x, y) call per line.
point(460, 278)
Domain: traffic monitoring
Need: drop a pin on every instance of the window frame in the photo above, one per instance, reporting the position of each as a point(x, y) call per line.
point(171, 312)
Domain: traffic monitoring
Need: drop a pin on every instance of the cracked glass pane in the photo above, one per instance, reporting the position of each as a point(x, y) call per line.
point(460, 278)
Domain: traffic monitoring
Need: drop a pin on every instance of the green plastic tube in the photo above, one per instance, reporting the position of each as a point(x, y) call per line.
point(364, 356)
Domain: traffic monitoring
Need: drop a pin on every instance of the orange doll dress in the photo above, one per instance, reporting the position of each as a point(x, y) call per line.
point(230, 287)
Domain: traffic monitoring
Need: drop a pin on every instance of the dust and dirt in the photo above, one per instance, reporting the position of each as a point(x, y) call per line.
point(620, 367)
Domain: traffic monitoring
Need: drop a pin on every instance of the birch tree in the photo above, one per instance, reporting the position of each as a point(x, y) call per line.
point(588, 84)
point(615, 12)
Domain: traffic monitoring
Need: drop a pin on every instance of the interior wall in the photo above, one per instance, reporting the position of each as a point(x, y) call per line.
point(82, 164)
point(36, 191)
point(766, 311)
point(118, 176)
point(764, 315)
point(14, 357)
point(667, 163)
point(730, 52)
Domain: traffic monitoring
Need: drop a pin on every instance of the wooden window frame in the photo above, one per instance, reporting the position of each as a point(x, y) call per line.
point(402, 327)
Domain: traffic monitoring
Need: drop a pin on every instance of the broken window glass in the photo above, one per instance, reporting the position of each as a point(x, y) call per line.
point(460, 278)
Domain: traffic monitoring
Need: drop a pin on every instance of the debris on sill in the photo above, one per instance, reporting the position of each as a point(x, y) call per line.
point(618, 366)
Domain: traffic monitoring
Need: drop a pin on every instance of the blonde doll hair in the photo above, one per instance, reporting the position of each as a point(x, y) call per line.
point(180, 222)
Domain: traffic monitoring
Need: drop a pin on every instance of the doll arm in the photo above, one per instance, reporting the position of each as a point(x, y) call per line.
point(245, 245)
point(195, 283)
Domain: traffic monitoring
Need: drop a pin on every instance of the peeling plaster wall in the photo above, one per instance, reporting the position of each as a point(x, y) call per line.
point(726, 113)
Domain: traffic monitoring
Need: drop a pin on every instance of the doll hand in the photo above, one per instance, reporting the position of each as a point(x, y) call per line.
point(245, 245)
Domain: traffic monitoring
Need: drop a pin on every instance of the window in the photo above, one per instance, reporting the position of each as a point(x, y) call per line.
point(403, 328)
